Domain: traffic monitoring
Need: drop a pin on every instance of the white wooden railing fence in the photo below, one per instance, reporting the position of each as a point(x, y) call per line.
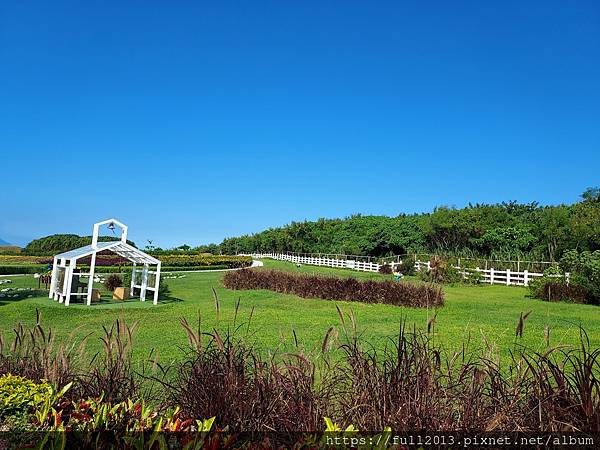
point(492, 276)
point(362, 266)
point(496, 276)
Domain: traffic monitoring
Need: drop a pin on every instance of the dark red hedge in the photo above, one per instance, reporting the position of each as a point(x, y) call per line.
point(337, 288)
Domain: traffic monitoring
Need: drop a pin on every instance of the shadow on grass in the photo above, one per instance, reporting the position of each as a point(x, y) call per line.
point(107, 300)
point(16, 295)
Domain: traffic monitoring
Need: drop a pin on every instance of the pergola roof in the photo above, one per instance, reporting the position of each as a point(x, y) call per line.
point(120, 248)
point(63, 285)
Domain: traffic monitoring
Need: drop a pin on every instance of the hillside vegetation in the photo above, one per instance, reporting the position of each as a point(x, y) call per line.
point(58, 243)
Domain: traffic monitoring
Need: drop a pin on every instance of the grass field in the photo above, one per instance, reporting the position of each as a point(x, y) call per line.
point(482, 315)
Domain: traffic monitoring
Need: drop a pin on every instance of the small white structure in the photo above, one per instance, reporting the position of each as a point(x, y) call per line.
point(64, 269)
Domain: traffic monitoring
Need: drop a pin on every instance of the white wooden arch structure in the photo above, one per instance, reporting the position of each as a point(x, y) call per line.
point(64, 268)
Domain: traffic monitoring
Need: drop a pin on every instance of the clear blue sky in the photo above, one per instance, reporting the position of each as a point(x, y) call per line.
point(192, 121)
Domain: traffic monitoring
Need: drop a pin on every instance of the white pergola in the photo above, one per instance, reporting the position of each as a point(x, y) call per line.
point(65, 266)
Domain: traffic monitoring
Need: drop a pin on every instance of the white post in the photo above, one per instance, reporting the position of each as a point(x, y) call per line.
point(508, 277)
point(53, 279)
point(526, 277)
point(492, 275)
point(131, 287)
point(568, 277)
point(69, 281)
point(156, 283)
point(59, 296)
point(91, 279)
point(144, 282)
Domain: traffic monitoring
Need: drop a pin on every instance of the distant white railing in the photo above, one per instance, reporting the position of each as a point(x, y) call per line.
point(492, 276)
point(362, 266)
point(496, 276)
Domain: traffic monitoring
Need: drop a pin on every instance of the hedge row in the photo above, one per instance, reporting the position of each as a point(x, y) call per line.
point(122, 269)
point(229, 262)
point(18, 270)
point(205, 260)
point(334, 288)
point(23, 259)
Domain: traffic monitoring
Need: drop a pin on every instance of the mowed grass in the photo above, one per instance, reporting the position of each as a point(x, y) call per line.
point(483, 316)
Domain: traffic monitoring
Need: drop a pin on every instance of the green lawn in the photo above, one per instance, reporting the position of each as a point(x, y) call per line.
point(470, 313)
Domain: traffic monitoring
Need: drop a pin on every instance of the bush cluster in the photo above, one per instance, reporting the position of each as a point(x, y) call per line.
point(385, 269)
point(112, 282)
point(441, 271)
point(585, 272)
point(337, 288)
point(582, 286)
point(407, 268)
point(553, 290)
point(19, 395)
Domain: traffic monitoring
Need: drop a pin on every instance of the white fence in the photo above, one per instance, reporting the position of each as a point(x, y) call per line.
point(362, 266)
point(492, 276)
point(496, 276)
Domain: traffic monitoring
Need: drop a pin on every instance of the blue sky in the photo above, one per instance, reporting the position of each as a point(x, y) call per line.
point(193, 121)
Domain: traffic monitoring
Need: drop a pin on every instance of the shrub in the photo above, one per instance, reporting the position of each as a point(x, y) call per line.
point(335, 288)
point(127, 417)
point(36, 355)
point(553, 286)
point(407, 268)
point(19, 395)
point(385, 269)
point(163, 290)
point(473, 276)
point(231, 381)
point(554, 290)
point(441, 271)
point(585, 271)
point(112, 282)
point(111, 374)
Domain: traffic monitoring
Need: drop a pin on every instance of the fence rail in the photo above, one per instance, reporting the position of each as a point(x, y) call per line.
point(363, 266)
point(496, 276)
point(507, 277)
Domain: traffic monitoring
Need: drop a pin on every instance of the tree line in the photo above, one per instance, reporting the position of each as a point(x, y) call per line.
point(504, 230)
